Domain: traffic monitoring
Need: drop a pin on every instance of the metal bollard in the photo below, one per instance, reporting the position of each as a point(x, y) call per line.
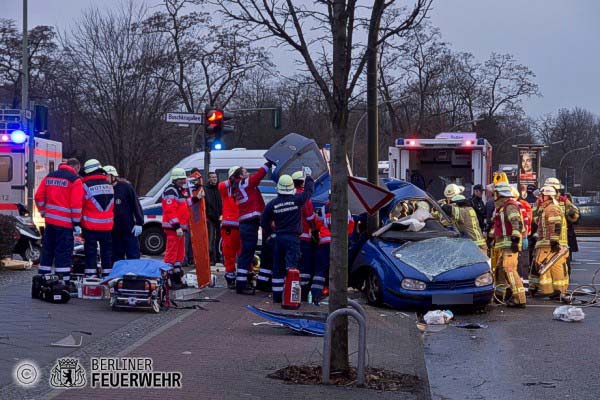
point(356, 305)
point(362, 342)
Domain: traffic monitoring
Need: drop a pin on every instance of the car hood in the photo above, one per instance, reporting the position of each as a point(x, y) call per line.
point(431, 258)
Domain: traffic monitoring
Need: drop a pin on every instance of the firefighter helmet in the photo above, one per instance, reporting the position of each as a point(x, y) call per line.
point(110, 170)
point(178, 173)
point(91, 166)
point(503, 189)
point(232, 170)
point(452, 190)
point(285, 185)
point(298, 176)
point(554, 182)
point(548, 190)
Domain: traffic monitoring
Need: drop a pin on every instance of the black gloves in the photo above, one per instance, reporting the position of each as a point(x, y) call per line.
point(447, 208)
point(554, 246)
point(314, 235)
point(514, 244)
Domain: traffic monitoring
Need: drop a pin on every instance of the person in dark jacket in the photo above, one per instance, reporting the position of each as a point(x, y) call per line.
point(285, 212)
point(479, 205)
point(214, 210)
point(129, 218)
point(571, 237)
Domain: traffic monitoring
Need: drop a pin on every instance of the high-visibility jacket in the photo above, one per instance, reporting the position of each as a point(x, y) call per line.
point(550, 225)
point(308, 219)
point(98, 203)
point(569, 212)
point(508, 223)
point(324, 224)
point(230, 212)
point(59, 197)
point(175, 207)
point(466, 220)
point(248, 197)
point(527, 215)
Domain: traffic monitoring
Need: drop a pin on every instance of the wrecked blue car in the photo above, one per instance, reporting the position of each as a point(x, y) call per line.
point(430, 264)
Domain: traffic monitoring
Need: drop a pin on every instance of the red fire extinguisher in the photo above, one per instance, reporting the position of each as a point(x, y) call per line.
point(291, 290)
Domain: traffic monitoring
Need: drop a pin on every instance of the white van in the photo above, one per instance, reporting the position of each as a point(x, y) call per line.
point(152, 240)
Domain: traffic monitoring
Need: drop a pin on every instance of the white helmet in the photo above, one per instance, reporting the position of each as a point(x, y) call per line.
point(453, 189)
point(110, 170)
point(548, 191)
point(91, 165)
point(554, 182)
point(232, 170)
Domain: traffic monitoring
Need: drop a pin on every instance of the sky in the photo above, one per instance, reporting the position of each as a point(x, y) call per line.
point(559, 40)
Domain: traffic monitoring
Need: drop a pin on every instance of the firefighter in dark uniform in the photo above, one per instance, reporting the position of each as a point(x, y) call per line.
point(285, 211)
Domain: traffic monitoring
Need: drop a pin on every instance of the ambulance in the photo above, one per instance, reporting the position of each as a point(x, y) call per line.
point(14, 158)
point(451, 157)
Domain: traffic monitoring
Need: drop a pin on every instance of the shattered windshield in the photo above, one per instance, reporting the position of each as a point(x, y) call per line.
point(435, 256)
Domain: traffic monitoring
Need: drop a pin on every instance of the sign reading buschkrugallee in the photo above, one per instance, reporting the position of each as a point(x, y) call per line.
point(184, 118)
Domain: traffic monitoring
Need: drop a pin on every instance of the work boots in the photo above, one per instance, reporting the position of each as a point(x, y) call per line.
point(230, 281)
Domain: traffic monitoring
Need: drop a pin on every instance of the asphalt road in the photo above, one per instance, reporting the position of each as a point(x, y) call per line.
point(522, 354)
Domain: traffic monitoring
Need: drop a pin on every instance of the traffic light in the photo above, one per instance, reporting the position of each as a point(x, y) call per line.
point(215, 128)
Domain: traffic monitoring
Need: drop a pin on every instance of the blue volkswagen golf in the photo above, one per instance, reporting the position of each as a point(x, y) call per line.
point(419, 264)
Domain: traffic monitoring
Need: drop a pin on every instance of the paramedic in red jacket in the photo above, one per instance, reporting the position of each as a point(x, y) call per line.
point(244, 189)
point(230, 229)
point(58, 199)
point(175, 222)
point(97, 218)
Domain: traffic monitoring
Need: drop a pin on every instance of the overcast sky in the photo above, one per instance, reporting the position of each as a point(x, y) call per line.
point(559, 40)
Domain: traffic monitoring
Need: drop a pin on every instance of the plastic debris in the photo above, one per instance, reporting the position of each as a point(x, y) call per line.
point(568, 314)
point(438, 317)
point(431, 328)
point(71, 341)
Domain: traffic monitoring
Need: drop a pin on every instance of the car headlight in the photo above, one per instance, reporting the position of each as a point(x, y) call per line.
point(413, 284)
point(484, 280)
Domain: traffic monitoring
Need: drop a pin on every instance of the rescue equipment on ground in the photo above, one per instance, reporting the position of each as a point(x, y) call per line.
point(49, 288)
point(92, 289)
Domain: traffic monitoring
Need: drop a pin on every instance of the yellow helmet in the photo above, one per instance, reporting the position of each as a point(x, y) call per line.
point(298, 176)
point(178, 173)
point(500, 177)
point(285, 185)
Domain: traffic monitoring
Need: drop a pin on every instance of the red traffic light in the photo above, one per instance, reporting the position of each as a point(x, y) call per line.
point(214, 115)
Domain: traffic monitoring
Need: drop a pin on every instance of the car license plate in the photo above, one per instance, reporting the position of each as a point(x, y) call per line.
point(455, 298)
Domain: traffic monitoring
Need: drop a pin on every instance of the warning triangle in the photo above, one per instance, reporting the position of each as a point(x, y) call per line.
point(371, 197)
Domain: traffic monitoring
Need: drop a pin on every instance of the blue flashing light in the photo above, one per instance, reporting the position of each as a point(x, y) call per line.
point(217, 145)
point(18, 136)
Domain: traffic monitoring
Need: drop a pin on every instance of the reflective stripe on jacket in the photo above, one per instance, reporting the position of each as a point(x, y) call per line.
point(59, 197)
point(175, 208)
point(98, 203)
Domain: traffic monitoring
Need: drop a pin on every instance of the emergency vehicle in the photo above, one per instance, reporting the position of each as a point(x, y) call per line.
point(452, 157)
point(14, 156)
point(152, 240)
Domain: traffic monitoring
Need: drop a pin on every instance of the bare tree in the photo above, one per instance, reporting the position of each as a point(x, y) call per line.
point(324, 36)
point(208, 62)
point(122, 100)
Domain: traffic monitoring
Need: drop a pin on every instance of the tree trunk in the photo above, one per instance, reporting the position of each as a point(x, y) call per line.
point(338, 270)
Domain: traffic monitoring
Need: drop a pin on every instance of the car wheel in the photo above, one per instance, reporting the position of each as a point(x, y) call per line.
point(33, 254)
point(153, 241)
point(374, 289)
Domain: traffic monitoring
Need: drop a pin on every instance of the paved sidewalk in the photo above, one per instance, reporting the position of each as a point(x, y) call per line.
point(223, 356)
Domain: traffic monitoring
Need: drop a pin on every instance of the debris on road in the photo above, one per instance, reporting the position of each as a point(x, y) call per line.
point(70, 340)
point(303, 322)
point(568, 314)
point(438, 317)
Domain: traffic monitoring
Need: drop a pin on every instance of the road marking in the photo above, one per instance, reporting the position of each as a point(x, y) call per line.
point(578, 269)
point(584, 260)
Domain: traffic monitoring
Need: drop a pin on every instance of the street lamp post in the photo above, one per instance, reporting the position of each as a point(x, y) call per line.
point(565, 156)
point(583, 167)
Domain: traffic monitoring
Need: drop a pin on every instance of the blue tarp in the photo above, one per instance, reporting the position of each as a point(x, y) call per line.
point(312, 323)
point(142, 267)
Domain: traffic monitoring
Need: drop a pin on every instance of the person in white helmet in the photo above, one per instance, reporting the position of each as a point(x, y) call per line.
point(175, 222)
point(129, 217)
point(285, 214)
point(556, 280)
